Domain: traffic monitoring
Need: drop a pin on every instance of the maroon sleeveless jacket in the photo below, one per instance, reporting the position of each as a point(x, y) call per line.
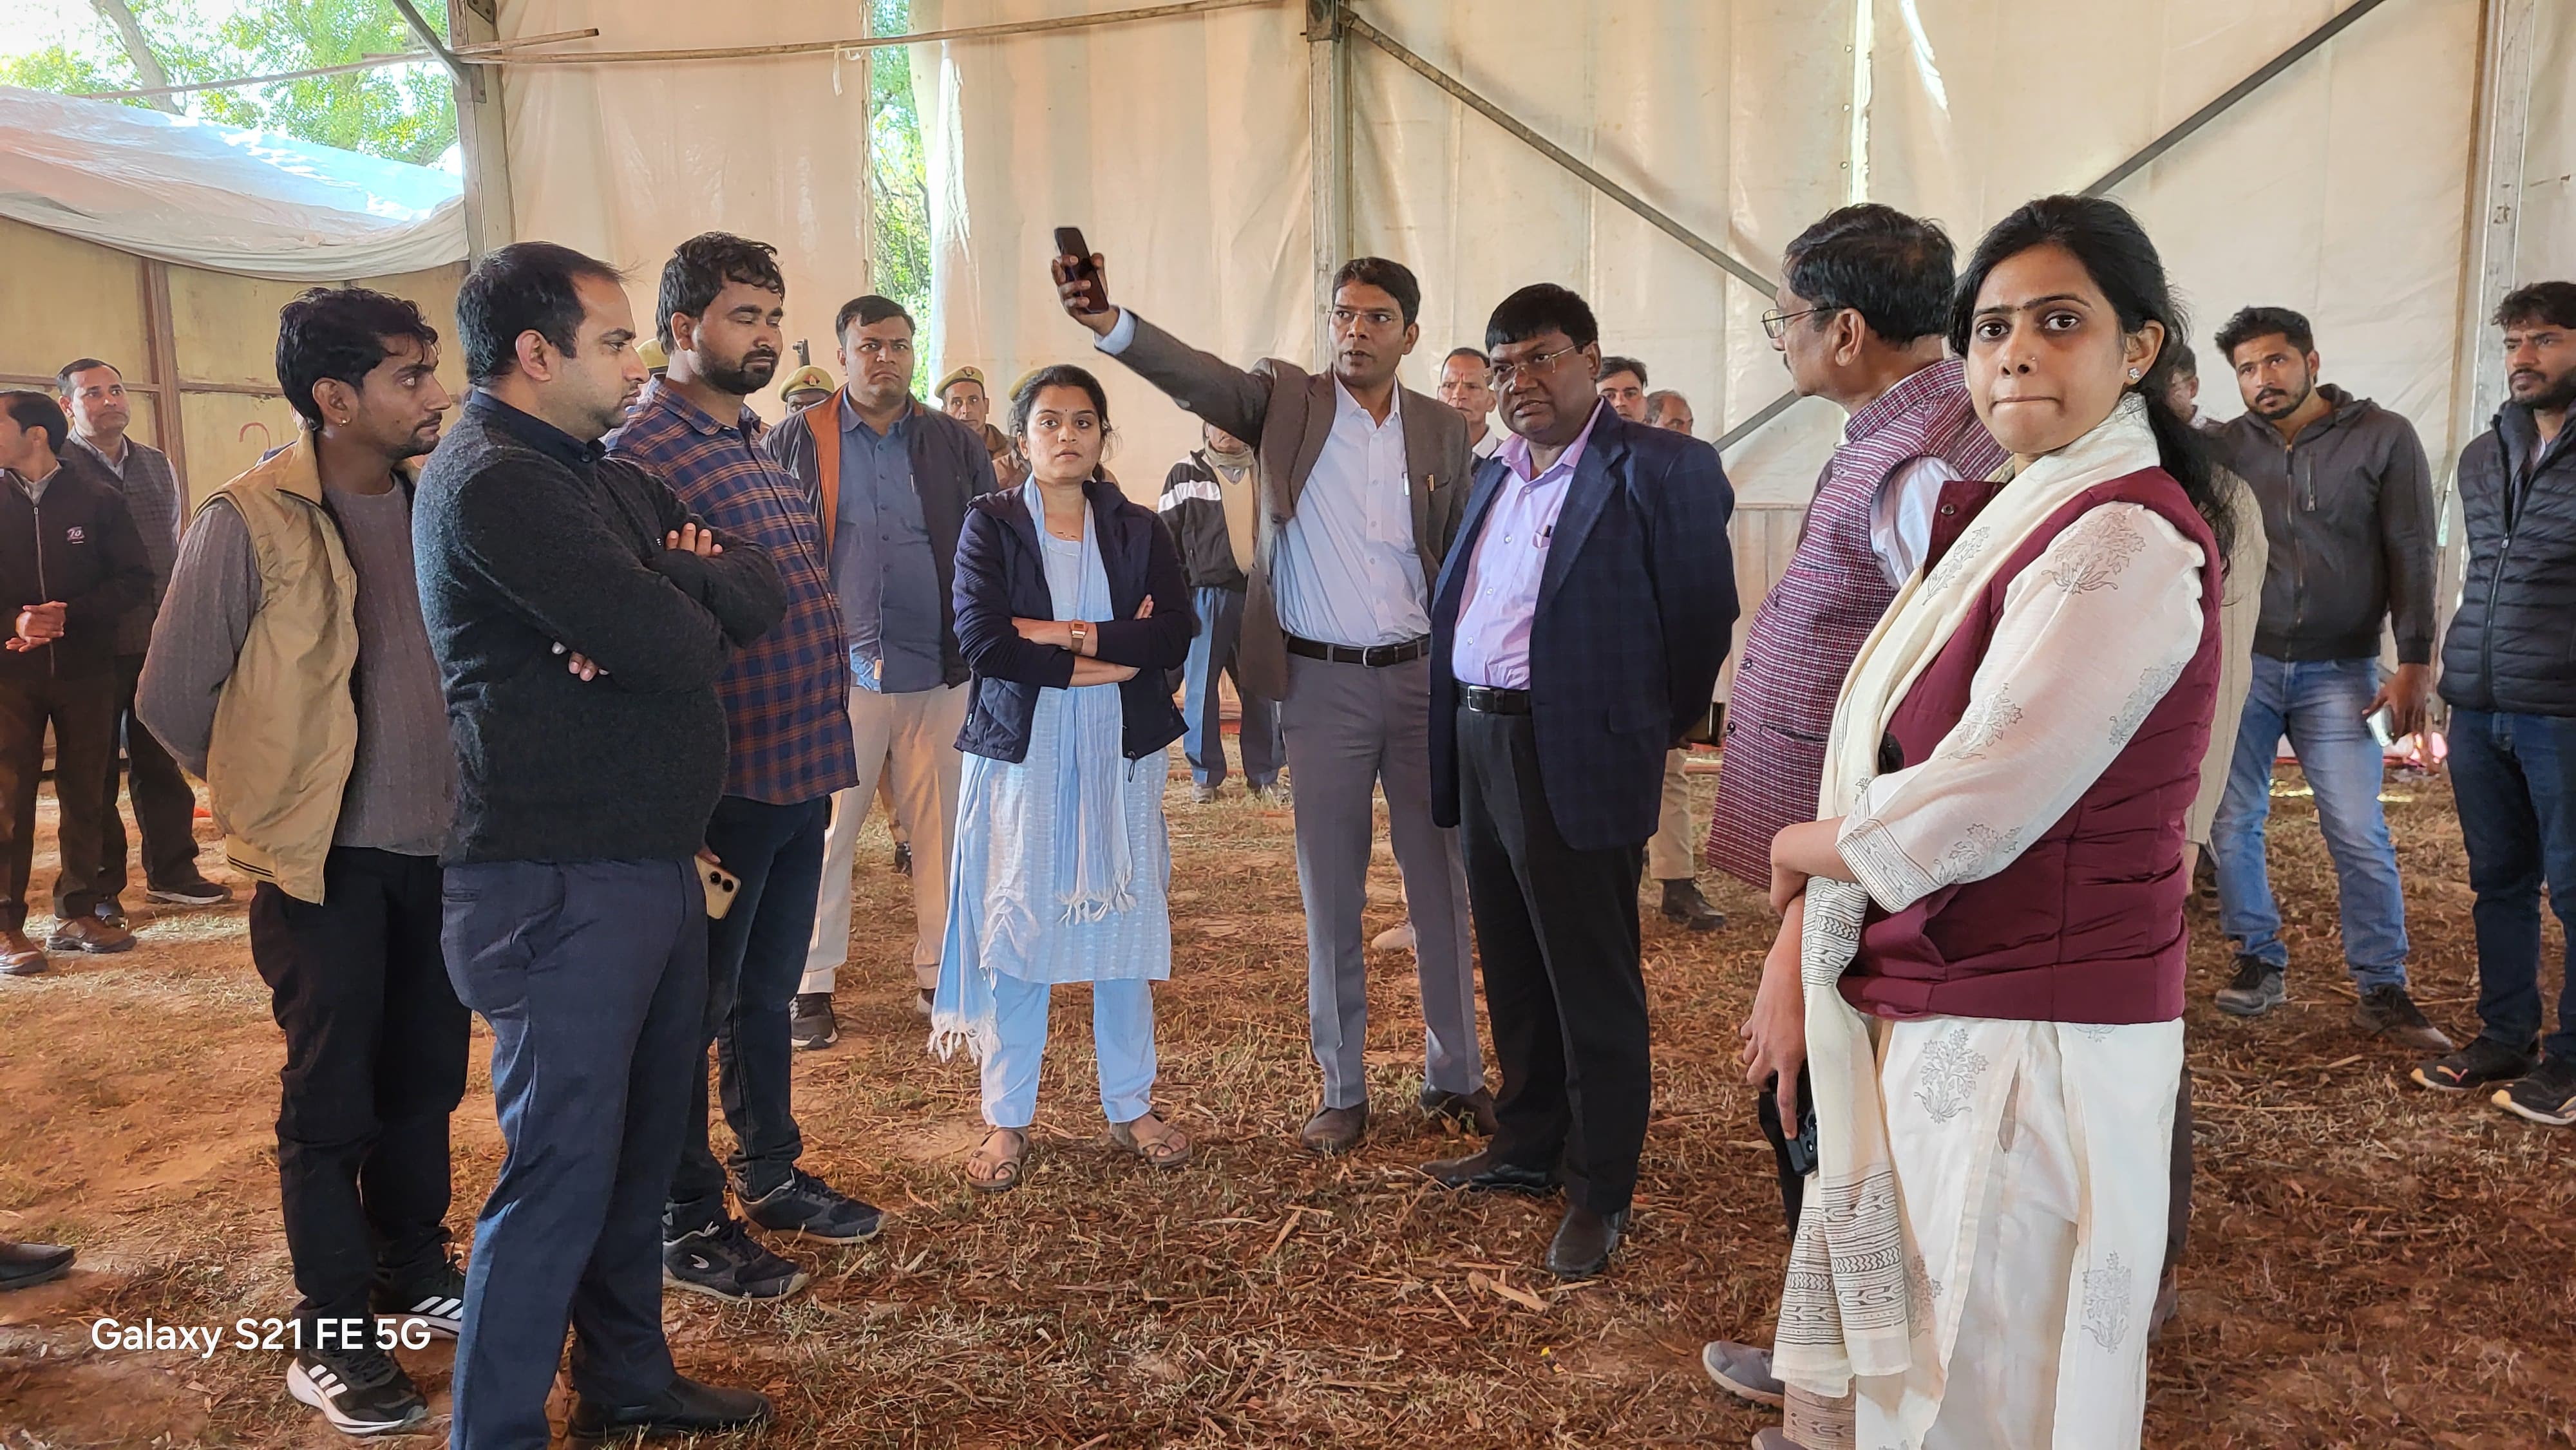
point(2086, 925)
point(1815, 619)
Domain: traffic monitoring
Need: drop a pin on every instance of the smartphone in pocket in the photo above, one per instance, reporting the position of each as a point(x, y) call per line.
point(722, 887)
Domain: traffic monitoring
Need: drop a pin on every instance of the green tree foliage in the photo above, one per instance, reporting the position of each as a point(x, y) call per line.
point(899, 178)
point(405, 113)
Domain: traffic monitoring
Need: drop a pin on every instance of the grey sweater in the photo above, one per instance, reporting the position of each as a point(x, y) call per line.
point(525, 539)
point(402, 787)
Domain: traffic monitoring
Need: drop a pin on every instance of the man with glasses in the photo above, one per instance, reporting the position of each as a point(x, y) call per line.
point(1337, 626)
point(889, 480)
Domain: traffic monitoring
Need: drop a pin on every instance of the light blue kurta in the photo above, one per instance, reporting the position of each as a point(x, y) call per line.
point(1012, 879)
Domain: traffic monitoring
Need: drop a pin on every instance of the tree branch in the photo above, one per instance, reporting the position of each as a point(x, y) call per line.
point(139, 50)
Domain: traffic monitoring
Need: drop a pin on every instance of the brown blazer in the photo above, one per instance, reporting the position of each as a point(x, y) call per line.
point(1287, 414)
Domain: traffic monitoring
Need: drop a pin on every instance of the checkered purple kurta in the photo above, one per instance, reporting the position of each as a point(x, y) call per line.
point(786, 697)
point(1814, 621)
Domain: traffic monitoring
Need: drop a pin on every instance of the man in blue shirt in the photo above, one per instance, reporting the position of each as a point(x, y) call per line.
point(889, 479)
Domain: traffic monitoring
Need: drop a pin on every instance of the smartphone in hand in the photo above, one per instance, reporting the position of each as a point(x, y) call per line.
point(1078, 267)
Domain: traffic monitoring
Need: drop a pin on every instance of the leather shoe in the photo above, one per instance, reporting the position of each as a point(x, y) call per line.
point(1479, 1172)
point(1335, 1130)
point(1475, 1109)
point(23, 1266)
point(686, 1408)
point(89, 934)
point(19, 956)
point(1584, 1242)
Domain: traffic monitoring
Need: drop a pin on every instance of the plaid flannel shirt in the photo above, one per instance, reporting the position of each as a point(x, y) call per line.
point(785, 697)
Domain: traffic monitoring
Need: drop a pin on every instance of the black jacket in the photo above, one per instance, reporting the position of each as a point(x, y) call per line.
point(524, 539)
point(79, 546)
point(949, 467)
point(2348, 511)
point(1001, 576)
point(1194, 511)
point(2512, 646)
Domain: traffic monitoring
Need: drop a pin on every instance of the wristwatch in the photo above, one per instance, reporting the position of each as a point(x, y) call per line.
point(1081, 634)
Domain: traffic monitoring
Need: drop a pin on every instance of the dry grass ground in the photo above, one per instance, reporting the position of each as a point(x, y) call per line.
point(2369, 1265)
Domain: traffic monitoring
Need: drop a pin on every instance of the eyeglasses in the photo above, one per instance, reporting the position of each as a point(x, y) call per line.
point(1377, 318)
point(1505, 373)
point(1775, 323)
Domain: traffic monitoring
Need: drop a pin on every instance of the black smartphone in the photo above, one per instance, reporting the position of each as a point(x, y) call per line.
point(1802, 1148)
point(1077, 254)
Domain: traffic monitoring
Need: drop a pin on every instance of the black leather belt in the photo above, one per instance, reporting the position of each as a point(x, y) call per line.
point(1376, 656)
point(1486, 700)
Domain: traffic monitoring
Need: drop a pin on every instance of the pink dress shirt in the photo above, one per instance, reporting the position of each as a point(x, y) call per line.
point(1503, 574)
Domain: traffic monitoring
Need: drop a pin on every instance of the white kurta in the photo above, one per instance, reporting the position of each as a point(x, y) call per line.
point(2029, 1158)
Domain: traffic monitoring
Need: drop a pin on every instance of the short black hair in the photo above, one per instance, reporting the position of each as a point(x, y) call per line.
point(1611, 365)
point(2179, 359)
point(63, 374)
point(2551, 303)
point(522, 288)
point(340, 333)
point(2252, 322)
point(868, 311)
point(1538, 308)
point(1893, 269)
point(38, 412)
point(701, 266)
point(1392, 278)
point(1478, 354)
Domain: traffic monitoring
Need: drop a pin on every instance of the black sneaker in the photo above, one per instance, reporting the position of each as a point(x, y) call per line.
point(903, 857)
point(2546, 1095)
point(805, 1204)
point(2388, 1012)
point(200, 892)
point(2259, 987)
point(2482, 1063)
point(437, 1301)
point(809, 1022)
point(725, 1263)
point(360, 1391)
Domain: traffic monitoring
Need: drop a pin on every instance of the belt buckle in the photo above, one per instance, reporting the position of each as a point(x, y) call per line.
point(1374, 656)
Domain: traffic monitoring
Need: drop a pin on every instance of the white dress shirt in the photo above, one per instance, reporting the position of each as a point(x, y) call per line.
point(1343, 570)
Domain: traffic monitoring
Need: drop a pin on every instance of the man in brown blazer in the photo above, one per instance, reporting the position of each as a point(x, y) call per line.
point(1363, 483)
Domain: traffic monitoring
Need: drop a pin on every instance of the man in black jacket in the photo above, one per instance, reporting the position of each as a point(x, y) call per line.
point(71, 564)
point(580, 616)
point(2509, 673)
point(1208, 503)
point(2347, 503)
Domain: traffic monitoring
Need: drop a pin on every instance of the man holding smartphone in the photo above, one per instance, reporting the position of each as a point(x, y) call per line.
point(1337, 628)
point(788, 729)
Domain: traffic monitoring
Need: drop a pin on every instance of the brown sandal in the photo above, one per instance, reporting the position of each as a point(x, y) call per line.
point(1168, 1148)
point(991, 1172)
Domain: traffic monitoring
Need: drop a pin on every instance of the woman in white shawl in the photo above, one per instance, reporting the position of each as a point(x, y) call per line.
point(1988, 913)
point(1071, 606)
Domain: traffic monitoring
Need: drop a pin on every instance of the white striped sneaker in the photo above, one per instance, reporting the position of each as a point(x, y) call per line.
point(360, 1391)
point(438, 1302)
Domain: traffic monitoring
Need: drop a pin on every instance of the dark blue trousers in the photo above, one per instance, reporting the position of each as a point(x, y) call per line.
point(1213, 653)
point(2515, 779)
point(755, 959)
point(593, 977)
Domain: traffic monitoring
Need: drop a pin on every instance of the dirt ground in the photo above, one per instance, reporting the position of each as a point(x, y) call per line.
point(2369, 1265)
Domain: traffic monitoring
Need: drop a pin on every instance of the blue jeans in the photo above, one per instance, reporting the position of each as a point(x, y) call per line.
point(1212, 652)
point(2319, 704)
point(593, 975)
point(755, 958)
point(2515, 779)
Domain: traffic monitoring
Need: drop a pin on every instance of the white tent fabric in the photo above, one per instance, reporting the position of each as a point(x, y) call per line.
point(219, 197)
point(2547, 244)
point(625, 162)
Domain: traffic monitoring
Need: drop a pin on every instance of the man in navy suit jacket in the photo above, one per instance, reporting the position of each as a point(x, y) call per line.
point(1576, 633)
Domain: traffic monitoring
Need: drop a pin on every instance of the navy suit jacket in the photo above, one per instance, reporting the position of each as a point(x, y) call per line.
point(1001, 575)
point(1636, 611)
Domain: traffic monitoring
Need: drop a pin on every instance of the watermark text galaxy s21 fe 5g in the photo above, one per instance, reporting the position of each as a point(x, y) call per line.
point(288, 1336)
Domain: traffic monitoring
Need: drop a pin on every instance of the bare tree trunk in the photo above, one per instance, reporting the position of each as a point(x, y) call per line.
point(139, 50)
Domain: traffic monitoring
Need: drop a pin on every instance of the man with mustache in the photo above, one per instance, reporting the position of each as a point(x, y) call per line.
point(888, 480)
point(1362, 484)
point(2347, 504)
point(580, 615)
point(2507, 675)
point(788, 732)
point(291, 671)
